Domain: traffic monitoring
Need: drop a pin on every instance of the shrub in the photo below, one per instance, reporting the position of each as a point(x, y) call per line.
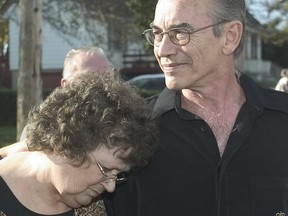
point(8, 112)
point(8, 109)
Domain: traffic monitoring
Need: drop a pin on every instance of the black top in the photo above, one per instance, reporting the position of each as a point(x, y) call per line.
point(187, 176)
point(10, 206)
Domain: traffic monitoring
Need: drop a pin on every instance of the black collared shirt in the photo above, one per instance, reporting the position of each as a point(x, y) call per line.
point(187, 176)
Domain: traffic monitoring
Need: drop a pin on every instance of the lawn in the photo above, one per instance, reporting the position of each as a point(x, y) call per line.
point(7, 135)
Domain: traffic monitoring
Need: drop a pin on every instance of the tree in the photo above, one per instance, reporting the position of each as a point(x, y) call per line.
point(73, 17)
point(143, 11)
point(29, 91)
point(5, 5)
point(273, 14)
point(274, 17)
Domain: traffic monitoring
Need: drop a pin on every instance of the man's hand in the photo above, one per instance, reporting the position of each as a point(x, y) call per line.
point(13, 148)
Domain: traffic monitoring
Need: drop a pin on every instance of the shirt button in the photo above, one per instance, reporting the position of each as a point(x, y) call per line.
point(203, 128)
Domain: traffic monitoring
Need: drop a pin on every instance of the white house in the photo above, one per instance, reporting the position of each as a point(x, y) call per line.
point(254, 65)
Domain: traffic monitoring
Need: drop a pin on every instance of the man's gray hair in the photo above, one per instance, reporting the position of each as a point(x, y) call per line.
point(229, 10)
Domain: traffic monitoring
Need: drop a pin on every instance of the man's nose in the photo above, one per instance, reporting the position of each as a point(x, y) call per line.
point(166, 47)
point(165, 39)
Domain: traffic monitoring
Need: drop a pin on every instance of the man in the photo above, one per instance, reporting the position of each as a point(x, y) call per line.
point(82, 59)
point(282, 84)
point(223, 139)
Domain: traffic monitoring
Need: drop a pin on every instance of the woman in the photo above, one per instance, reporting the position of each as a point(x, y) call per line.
point(79, 139)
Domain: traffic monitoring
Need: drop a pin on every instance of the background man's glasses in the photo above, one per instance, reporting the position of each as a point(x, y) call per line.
point(178, 36)
point(107, 178)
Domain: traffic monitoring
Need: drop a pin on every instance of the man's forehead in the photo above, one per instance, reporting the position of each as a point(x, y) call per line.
point(94, 60)
point(88, 57)
point(177, 12)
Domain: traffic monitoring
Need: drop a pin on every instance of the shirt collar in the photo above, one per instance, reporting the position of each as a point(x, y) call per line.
point(263, 98)
point(256, 96)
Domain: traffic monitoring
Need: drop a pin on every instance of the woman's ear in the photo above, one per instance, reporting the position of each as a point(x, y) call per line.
point(232, 34)
point(63, 82)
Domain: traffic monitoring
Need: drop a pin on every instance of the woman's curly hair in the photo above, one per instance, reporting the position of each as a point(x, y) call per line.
point(92, 111)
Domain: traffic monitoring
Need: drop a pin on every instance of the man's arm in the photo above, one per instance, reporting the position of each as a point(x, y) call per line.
point(16, 147)
point(13, 148)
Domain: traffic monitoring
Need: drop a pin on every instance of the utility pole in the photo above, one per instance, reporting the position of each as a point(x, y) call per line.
point(29, 83)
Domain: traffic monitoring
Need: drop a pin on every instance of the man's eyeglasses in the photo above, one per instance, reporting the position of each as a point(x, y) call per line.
point(178, 36)
point(120, 178)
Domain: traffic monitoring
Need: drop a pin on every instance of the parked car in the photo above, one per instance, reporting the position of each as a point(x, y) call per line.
point(148, 84)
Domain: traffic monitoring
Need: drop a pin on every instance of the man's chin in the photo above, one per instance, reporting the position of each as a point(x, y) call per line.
point(172, 86)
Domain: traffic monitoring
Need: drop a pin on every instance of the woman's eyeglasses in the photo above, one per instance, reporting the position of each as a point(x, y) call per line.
point(120, 178)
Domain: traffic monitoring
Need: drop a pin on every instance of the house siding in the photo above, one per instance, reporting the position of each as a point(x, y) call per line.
point(54, 50)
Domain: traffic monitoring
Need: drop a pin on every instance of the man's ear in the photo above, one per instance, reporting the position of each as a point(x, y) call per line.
point(232, 34)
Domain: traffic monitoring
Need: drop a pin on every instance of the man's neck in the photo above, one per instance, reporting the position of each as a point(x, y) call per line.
point(218, 105)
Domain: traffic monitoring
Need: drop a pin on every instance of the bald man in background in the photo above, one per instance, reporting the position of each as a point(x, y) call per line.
point(90, 58)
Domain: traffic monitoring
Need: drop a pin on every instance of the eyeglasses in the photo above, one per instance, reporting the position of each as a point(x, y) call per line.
point(120, 178)
point(178, 36)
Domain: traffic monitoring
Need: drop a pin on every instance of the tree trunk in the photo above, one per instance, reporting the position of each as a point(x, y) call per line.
point(29, 87)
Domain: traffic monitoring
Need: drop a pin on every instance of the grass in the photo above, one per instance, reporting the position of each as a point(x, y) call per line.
point(7, 135)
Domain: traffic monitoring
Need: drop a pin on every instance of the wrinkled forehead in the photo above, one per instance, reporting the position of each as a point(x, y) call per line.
point(175, 12)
